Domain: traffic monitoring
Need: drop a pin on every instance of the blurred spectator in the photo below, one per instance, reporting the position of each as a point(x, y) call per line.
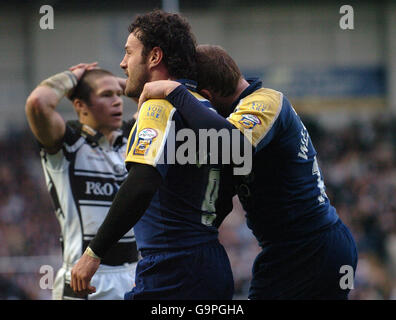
point(10, 291)
point(359, 168)
point(28, 226)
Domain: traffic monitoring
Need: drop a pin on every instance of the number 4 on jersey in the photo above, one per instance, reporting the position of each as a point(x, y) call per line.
point(211, 194)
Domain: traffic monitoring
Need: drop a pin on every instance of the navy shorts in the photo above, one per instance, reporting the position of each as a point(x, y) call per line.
point(201, 272)
point(309, 268)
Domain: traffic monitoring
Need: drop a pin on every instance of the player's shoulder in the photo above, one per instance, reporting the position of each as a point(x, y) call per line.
point(198, 96)
point(157, 110)
point(262, 99)
point(73, 132)
point(203, 100)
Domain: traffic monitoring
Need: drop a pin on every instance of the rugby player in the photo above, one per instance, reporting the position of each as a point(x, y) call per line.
point(83, 164)
point(304, 242)
point(171, 206)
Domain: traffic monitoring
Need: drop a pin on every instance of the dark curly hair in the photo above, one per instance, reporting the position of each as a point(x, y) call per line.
point(172, 33)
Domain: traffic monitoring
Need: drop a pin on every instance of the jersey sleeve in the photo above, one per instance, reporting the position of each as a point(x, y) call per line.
point(59, 161)
point(256, 114)
point(148, 137)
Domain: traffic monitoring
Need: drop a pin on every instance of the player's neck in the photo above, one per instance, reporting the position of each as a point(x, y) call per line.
point(160, 72)
point(108, 133)
point(229, 101)
point(242, 85)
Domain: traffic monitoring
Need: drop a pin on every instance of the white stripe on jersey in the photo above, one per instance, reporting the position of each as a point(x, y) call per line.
point(73, 148)
point(101, 175)
point(94, 202)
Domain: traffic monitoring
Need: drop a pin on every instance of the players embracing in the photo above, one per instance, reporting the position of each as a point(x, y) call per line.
point(305, 245)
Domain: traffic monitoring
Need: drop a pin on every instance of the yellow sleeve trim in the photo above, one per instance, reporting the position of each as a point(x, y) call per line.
point(151, 128)
point(198, 96)
point(256, 113)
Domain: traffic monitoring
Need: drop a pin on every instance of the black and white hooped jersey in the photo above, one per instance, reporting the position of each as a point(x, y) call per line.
point(83, 178)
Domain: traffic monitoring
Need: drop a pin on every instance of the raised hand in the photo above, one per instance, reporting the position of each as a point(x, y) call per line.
point(80, 68)
point(159, 89)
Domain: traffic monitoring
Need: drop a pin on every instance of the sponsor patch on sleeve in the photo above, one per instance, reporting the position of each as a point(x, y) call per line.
point(257, 112)
point(249, 121)
point(145, 139)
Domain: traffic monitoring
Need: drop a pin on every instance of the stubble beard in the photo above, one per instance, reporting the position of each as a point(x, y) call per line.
point(134, 90)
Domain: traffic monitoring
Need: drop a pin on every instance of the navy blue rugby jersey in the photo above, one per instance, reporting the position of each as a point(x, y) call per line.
point(284, 194)
point(182, 211)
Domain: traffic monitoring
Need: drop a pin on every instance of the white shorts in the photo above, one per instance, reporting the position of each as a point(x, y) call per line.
point(111, 283)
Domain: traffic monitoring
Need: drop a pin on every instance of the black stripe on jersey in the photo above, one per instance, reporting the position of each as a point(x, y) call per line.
point(75, 195)
point(94, 188)
point(72, 133)
point(127, 127)
point(123, 139)
point(93, 235)
point(69, 294)
point(93, 205)
point(54, 195)
point(132, 140)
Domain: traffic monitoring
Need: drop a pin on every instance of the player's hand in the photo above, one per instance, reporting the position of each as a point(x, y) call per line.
point(122, 83)
point(159, 89)
point(80, 68)
point(82, 273)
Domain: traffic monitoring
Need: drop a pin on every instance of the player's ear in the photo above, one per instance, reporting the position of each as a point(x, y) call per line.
point(206, 94)
point(80, 107)
point(156, 56)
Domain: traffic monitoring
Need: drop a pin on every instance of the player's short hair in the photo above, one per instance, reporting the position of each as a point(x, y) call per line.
point(86, 84)
point(217, 71)
point(172, 33)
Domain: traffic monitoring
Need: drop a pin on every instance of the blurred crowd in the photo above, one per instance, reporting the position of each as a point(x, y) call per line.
point(28, 226)
point(358, 165)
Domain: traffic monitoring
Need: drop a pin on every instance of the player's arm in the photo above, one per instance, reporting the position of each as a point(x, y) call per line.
point(197, 115)
point(46, 123)
point(127, 208)
point(135, 194)
point(122, 83)
point(252, 123)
